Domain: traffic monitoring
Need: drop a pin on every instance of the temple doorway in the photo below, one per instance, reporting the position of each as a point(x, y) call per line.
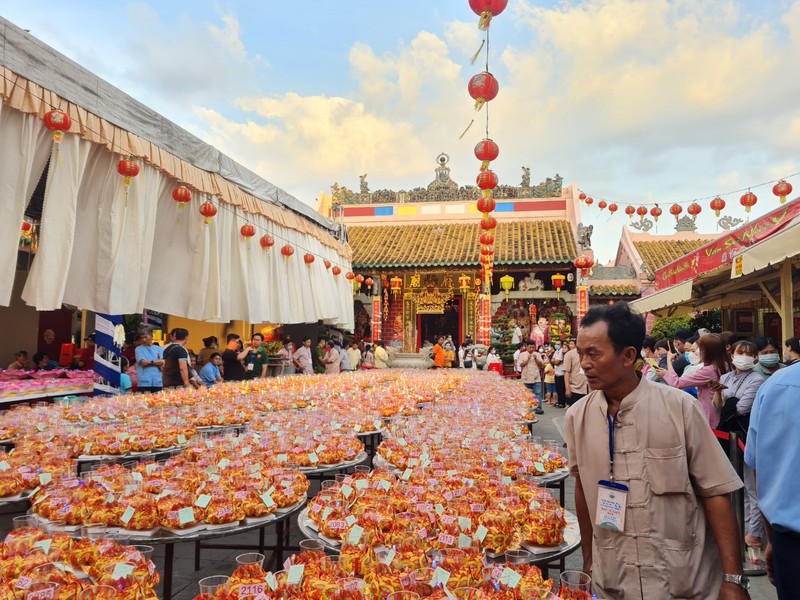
point(447, 323)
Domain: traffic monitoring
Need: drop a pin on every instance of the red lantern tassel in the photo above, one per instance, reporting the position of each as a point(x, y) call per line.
point(463, 133)
point(485, 165)
point(477, 53)
point(485, 20)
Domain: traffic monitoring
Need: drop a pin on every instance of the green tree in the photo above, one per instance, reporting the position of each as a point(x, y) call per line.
point(710, 319)
point(667, 326)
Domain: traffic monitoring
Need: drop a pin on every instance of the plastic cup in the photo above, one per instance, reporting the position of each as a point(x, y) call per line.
point(251, 558)
point(576, 581)
point(24, 521)
point(518, 557)
point(210, 585)
point(361, 469)
point(97, 592)
point(146, 553)
point(327, 484)
point(468, 593)
point(94, 531)
point(351, 587)
point(403, 595)
point(41, 590)
point(312, 546)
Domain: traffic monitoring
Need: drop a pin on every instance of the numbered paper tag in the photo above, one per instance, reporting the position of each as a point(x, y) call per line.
point(23, 583)
point(122, 570)
point(46, 594)
point(186, 515)
point(612, 498)
point(251, 589)
point(295, 574)
point(510, 577)
point(346, 491)
point(272, 581)
point(440, 577)
point(127, 515)
point(267, 500)
point(480, 533)
point(355, 534)
point(202, 500)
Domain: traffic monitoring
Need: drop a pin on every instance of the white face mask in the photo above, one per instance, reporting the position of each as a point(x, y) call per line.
point(743, 362)
point(694, 358)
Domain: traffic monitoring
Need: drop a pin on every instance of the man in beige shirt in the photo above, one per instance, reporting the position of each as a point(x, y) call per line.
point(575, 384)
point(679, 537)
point(531, 361)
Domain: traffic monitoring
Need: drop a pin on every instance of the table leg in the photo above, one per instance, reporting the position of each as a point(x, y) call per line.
point(279, 533)
point(197, 547)
point(261, 540)
point(169, 556)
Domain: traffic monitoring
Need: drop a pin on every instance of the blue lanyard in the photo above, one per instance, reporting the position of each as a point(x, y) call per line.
point(611, 425)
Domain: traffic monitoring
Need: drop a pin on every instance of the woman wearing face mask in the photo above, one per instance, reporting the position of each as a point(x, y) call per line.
point(769, 359)
point(736, 392)
point(791, 353)
point(714, 359)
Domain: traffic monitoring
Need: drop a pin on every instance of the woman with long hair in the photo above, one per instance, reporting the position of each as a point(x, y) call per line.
point(712, 354)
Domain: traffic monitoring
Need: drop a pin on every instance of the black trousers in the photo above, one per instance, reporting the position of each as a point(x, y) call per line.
point(560, 390)
point(574, 398)
point(786, 563)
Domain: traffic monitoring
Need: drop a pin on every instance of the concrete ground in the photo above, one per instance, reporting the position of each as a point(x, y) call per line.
point(222, 562)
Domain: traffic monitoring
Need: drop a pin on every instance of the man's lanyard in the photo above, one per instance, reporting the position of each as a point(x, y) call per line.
point(612, 423)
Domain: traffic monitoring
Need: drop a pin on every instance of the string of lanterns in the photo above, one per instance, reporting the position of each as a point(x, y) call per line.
point(781, 189)
point(59, 122)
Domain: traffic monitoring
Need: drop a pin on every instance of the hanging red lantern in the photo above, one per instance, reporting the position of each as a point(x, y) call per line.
point(486, 180)
point(642, 212)
point(486, 9)
point(129, 169)
point(247, 231)
point(748, 200)
point(208, 210)
point(694, 210)
point(612, 208)
point(327, 263)
point(488, 223)
point(336, 270)
point(486, 151)
point(655, 212)
point(675, 210)
point(369, 281)
point(630, 211)
point(181, 195)
point(782, 189)
point(487, 239)
point(487, 250)
point(486, 205)
point(483, 88)
point(589, 201)
point(308, 258)
point(26, 226)
point(602, 204)
point(266, 241)
point(717, 204)
point(58, 122)
point(486, 260)
point(360, 278)
point(581, 196)
point(584, 262)
point(287, 250)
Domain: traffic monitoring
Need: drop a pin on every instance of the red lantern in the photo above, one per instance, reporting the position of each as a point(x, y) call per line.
point(487, 239)
point(336, 270)
point(247, 231)
point(581, 196)
point(612, 208)
point(488, 223)
point(58, 122)
point(584, 263)
point(694, 210)
point(128, 168)
point(602, 204)
point(308, 258)
point(486, 205)
point(26, 226)
point(717, 204)
point(630, 211)
point(486, 260)
point(181, 195)
point(369, 281)
point(748, 201)
point(208, 210)
point(655, 212)
point(360, 278)
point(486, 9)
point(589, 201)
point(483, 88)
point(486, 151)
point(675, 210)
point(487, 250)
point(287, 250)
point(782, 189)
point(642, 212)
point(327, 263)
point(486, 180)
point(266, 241)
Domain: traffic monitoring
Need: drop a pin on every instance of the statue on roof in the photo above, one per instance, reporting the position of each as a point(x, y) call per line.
point(526, 177)
point(585, 236)
point(442, 183)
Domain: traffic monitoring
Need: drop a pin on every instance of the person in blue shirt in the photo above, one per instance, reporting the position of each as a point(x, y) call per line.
point(773, 451)
point(125, 383)
point(210, 372)
point(149, 361)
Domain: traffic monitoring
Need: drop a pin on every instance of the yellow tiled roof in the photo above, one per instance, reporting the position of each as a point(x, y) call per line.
point(658, 253)
point(457, 244)
point(613, 290)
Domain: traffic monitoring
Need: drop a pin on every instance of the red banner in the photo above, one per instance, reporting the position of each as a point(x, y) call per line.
point(583, 302)
point(721, 252)
point(485, 320)
point(376, 318)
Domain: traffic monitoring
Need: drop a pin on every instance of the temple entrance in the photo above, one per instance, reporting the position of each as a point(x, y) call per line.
point(448, 323)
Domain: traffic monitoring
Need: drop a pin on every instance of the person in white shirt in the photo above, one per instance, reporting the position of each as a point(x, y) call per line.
point(344, 359)
point(302, 358)
point(516, 336)
point(355, 355)
point(557, 360)
point(517, 368)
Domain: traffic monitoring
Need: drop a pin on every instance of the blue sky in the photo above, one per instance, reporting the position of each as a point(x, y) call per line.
point(636, 101)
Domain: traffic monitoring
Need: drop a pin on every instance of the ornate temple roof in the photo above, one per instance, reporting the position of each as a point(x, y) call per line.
point(658, 253)
point(613, 289)
point(457, 244)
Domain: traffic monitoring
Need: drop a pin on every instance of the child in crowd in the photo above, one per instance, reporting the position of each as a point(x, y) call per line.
point(550, 396)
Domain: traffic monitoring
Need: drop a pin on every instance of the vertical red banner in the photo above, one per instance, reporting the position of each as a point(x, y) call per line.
point(486, 320)
point(583, 302)
point(376, 318)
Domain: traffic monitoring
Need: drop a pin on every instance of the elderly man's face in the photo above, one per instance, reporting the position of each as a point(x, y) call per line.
point(603, 366)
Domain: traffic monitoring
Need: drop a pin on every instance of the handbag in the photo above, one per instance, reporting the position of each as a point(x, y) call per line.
point(729, 419)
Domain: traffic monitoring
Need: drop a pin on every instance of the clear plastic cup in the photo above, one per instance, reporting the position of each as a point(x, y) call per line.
point(21, 521)
point(576, 581)
point(252, 558)
point(403, 595)
point(312, 546)
point(468, 593)
point(518, 557)
point(351, 587)
point(98, 592)
point(41, 590)
point(94, 531)
point(210, 585)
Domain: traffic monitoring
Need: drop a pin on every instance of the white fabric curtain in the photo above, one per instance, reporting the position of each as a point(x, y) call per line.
point(24, 147)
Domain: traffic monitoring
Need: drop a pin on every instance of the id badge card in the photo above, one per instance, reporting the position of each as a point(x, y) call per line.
point(250, 366)
point(612, 498)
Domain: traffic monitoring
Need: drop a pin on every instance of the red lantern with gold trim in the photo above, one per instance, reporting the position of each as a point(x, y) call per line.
point(655, 212)
point(748, 200)
point(486, 151)
point(350, 276)
point(487, 250)
point(782, 189)
point(360, 278)
point(336, 270)
point(486, 9)
point(642, 212)
point(247, 231)
point(128, 168)
point(266, 241)
point(583, 263)
point(486, 180)
point(327, 263)
point(483, 88)
point(369, 282)
point(287, 250)
point(309, 259)
point(717, 204)
point(208, 210)
point(612, 208)
point(602, 204)
point(488, 223)
point(486, 260)
point(58, 122)
point(26, 226)
point(589, 201)
point(181, 195)
point(487, 239)
point(675, 210)
point(694, 210)
point(630, 211)
point(581, 196)
point(486, 205)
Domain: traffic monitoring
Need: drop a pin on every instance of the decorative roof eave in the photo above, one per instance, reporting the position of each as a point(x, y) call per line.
point(466, 264)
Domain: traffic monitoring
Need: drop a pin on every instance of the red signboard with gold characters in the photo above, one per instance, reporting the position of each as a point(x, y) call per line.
point(721, 252)
point(583, 302)
point(376, 318)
